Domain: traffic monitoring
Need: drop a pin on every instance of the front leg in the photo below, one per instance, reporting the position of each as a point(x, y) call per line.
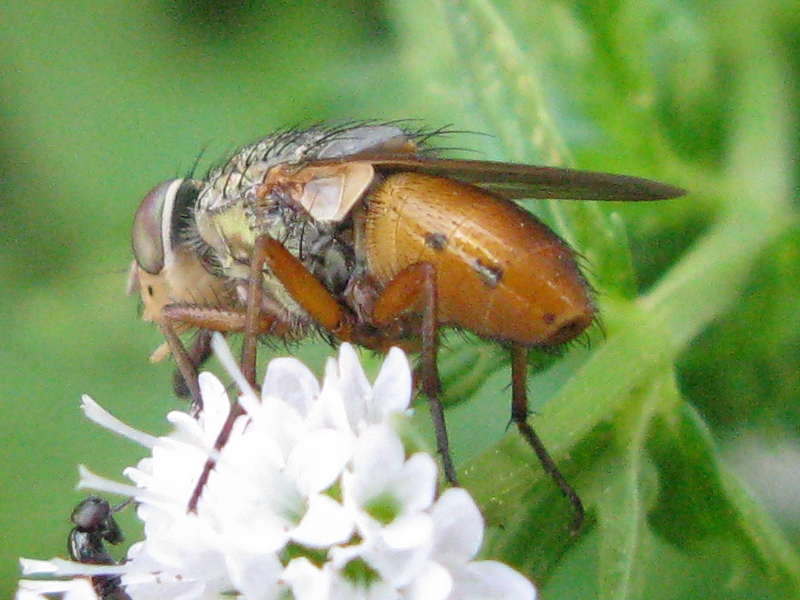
point(226, 320)
point(186, 367)
point(207, 319)
point(253, 321)
point(199, 352)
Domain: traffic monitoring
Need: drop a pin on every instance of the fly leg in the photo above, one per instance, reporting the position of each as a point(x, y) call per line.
point(305, 288)
point(186, 366)
point(207, 320)
point(252, 322)
point(519, 414)
point(415, 287)
point(199, 352)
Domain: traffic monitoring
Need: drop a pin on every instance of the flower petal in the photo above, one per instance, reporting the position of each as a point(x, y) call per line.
point(325, 523)
point(459, 527)
point(72, 589)
point(353, 381)
point(291, 381)
point(491, 579)
point(392, 389)
point(317, 460)
point(256, 576)
point(307, 581)
point(434, 583)
point(408, 531)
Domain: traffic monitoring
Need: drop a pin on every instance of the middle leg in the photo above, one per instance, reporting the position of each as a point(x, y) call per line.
point(415, 288)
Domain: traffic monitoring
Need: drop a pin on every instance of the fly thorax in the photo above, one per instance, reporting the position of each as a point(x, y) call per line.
point(230, 238)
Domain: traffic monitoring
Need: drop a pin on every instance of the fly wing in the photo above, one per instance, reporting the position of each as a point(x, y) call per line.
point(517, 181)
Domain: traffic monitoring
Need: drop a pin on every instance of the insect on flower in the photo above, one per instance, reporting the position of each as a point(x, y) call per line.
point(364, 234)
point(94, 524)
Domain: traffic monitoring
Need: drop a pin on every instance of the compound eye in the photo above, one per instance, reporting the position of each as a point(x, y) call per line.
point(149, 224)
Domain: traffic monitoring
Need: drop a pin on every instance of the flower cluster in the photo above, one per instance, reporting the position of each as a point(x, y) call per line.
point(313, 497)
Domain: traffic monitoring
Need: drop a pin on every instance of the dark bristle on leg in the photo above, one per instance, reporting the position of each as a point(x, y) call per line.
point(519, 414)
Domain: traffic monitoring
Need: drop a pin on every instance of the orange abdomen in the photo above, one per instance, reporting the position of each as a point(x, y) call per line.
point(501, 273)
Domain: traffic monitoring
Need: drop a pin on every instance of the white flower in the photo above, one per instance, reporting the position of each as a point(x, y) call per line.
point(72, 589)
point(458, 528)
point(313, 497)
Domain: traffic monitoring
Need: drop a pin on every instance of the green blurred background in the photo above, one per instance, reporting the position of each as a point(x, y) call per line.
point(99, 101)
